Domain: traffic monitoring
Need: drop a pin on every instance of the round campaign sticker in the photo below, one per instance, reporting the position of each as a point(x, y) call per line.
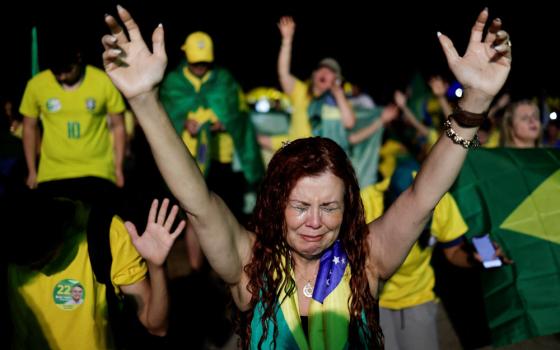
point(69, 294)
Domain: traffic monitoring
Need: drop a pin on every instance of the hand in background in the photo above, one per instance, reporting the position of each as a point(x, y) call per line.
point(156, 242)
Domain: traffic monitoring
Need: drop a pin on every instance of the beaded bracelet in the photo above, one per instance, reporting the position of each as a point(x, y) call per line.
point(458, 139)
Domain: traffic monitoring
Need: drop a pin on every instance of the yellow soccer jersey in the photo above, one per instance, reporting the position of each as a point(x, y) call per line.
point(414, 281)
point(76, 140)
point(68, 309)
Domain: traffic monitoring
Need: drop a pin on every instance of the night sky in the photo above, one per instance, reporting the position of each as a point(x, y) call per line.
point(379, 44)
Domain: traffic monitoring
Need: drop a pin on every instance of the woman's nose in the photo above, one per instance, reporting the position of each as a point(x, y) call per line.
point(313, 219)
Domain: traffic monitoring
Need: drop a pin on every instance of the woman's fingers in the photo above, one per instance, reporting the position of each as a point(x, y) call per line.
point(494, 28)
point(131, 26)
point(478, 27)
point(116, 29)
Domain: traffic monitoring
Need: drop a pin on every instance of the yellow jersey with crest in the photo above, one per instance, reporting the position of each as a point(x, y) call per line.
point(45, 310)
point(76, 140)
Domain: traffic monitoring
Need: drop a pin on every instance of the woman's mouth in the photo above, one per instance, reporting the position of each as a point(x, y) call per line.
point(315, 238)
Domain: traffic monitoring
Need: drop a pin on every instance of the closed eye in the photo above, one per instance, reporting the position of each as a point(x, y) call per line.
point(301, 207)
point(330, 208)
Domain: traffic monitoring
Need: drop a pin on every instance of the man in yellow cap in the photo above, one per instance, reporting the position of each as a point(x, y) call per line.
point(207, 108)
point(199, 51)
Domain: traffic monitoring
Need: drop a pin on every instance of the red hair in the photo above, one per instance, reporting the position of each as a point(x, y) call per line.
point(268, 274)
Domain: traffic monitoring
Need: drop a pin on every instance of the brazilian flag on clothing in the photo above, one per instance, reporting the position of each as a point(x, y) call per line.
point(328, 313)
point(514, 194)
point(221, 94)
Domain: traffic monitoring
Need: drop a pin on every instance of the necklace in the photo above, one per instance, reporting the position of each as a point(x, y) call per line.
point(308, 289)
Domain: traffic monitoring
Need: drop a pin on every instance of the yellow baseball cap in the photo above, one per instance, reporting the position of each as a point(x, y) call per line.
point(198, 47)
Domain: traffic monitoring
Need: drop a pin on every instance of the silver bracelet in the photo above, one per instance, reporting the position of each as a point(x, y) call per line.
point(474, 143)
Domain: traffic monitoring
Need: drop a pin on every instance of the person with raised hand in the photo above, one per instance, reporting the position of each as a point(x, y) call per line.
point(69, 289)
point(306, 271)
point(319, 105)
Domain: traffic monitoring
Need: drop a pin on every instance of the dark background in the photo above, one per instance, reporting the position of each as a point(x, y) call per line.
point(379, 44)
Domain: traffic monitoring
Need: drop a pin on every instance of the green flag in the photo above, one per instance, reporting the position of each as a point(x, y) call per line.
point(514, 194)
point(326, 121)
point(365, 155)
point(221, 94)
point(419, 94)
point(34, 52)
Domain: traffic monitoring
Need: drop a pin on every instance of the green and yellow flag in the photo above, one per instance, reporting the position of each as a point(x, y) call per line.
point(514, 194)
point(220, 93)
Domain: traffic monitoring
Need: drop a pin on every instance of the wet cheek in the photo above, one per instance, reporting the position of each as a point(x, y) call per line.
point(295, 220)
point(333, 221)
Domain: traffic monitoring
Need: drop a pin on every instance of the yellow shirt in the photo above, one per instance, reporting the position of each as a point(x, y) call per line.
point(389, 152)
point(222, 144)
point(433, 137)
point(50, 315)
point(414, 281)
point(76, 140)
point(300, 127)
point(493, 139)
point(372, 199)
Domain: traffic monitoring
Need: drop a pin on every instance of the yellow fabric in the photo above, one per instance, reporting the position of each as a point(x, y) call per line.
point(276, 97)
point(196, 81)
point(372, 198)
point(128, 266)
point(17, 131)
point(433, 136)
point(83, 326)
point(537, 215)
point(129, 124)
point(76, 140)
point(299, 121)
point(222, 144)
point(335, 303)
point(413, 282)
point(493, 139)
point(388, 153)
point(335, 334)
point(198, 47)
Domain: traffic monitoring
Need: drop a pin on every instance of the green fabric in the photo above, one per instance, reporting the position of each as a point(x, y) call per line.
point(203, 148)
point(221, 94)
point(325, 119)
point(514, 194)
point(365, 155)
point(419, 94)
point(270, 123)
point(286, 338)
point(34, 52)
point(327, 321)
point(326, 122)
